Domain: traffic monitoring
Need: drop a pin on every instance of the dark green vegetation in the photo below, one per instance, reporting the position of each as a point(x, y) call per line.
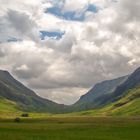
point(71, 128)
point(21, 97)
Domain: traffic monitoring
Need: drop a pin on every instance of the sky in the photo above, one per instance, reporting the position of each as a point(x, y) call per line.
point(61, 48)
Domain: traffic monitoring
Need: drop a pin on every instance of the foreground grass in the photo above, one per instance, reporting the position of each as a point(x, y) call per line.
point(71, 128)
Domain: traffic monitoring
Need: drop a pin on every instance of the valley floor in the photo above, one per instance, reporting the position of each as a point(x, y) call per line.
point(71, 128)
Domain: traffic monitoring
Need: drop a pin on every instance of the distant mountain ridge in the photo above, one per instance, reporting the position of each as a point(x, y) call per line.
point(89, 100)
point(104, 87)
point(129, 83)
point(132, 82)
point(127, 105)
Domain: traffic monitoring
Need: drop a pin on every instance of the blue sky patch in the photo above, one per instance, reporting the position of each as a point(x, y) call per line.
point(51, 34)
point(71, 15)
point(92, 8)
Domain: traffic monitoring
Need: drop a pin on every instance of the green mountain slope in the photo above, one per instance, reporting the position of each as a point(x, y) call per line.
point(25, 98)
point(8, 108)
point(132, 82)
point(90, 99)
point(106, 97)
point(128, 105)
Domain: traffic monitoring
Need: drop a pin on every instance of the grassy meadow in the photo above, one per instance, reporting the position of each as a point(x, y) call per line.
point(71, 128)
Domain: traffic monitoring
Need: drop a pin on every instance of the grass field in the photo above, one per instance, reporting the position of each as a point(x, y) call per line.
point(71, 128)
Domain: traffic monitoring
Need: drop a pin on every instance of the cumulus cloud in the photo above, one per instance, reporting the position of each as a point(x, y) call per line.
point(103, 46)
point(22, 23)
point(71, 6)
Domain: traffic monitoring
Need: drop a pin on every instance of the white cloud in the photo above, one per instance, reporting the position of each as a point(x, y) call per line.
point(78, 6)
point(104, 46)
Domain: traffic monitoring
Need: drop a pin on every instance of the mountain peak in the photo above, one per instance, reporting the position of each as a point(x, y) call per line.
point(4, 72)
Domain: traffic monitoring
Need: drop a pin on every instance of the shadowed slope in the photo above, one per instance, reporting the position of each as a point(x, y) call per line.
point(25, 98)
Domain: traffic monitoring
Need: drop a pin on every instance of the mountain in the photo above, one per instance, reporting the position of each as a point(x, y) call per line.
point(24, 98)
point(119, 96)
point(132, 82)
point(102, 88)
point(124, 100)
point(89, 100)
point(128, 105)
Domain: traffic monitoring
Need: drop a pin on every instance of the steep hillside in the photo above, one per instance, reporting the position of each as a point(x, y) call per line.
point(8, 108)
point(25, 98)
point(89, 100)
point(128, 105)
point(132, 82)
point(108, 92)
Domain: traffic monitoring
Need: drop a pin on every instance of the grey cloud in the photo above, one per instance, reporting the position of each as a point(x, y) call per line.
point(29, 70)
point(19, 25)
point(103, 47)
point(129, 10)
point(63, 45)
point(2, 52)
point(59, 95)
point(22, 23)
point(127, 20)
